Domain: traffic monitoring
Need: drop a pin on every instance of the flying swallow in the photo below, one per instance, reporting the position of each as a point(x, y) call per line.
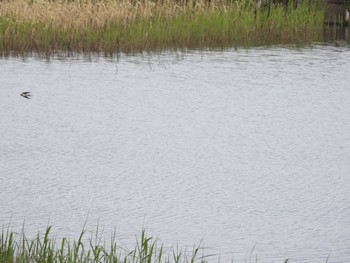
point(26, 94)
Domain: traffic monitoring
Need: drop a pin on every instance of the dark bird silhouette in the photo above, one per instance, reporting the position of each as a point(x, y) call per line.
point(26, 94)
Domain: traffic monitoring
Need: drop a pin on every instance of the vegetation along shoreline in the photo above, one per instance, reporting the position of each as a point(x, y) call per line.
point(18, 248)
point(112, 26)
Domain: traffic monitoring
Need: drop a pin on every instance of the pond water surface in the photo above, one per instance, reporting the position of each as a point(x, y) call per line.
point(241, 148)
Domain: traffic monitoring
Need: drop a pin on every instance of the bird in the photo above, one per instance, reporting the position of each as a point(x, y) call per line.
point(26, 94)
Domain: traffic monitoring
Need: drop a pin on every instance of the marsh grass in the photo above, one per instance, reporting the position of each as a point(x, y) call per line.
point(17, 248)
point(111, 26)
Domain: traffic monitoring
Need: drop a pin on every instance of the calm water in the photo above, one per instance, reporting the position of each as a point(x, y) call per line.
point(239, 148)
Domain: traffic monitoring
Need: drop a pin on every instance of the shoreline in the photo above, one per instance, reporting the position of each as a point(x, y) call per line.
point(111, 27)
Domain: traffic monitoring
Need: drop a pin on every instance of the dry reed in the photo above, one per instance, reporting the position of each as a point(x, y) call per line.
point(111, 26)
point(92, 14)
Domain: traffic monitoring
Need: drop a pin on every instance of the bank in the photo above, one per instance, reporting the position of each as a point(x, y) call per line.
point(112, 26)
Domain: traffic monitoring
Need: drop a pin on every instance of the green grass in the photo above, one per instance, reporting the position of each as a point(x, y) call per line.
point(17, 248)
point(219, 27)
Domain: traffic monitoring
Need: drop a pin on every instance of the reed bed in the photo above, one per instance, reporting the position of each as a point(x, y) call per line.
point(111, 26)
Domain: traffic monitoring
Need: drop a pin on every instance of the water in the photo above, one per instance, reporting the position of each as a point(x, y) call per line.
point(245, 149)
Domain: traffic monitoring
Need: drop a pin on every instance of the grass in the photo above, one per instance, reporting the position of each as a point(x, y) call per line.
point(17, 248)
point(44, 249)
point(111, 26)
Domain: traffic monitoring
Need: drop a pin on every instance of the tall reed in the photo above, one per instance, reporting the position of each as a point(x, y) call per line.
point(111, 26)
